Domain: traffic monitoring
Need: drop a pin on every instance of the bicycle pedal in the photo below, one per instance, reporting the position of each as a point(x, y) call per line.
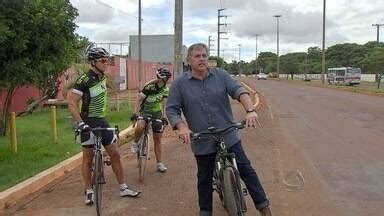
point(245, 191)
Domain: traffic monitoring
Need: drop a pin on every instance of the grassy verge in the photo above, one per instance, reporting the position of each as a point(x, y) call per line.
point(369, 88)
point(36, 151)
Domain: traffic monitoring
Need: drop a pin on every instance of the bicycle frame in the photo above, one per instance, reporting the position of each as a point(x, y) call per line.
point(97, 169)
point(226, 171)
point(143, 154)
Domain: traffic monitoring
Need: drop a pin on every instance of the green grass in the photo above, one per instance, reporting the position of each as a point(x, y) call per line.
point(35, 149)
point(369, 88)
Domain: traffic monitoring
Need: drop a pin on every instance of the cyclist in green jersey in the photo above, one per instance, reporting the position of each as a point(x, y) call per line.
point(91, 89)
point(151, 101)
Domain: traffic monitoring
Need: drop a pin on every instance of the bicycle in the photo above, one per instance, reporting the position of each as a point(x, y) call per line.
point(98, 178)
point(143, 154)
point(226, 177)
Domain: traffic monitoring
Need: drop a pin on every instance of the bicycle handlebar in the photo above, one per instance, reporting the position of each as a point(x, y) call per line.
point(216, 131)
point(115, 129)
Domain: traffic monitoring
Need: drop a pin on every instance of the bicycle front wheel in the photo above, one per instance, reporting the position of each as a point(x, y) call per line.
point(98, 181)
point(231, 192)
point(143, 156)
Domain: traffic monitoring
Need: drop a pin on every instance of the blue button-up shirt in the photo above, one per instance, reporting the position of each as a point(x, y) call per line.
point(204, 103)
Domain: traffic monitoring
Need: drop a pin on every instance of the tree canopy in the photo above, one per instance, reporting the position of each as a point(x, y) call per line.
point(37, 43)
point(368, 57)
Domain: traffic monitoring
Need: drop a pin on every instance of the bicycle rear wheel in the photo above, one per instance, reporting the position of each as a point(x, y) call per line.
point(143, 156)
point(231, 192)
point(98, 181)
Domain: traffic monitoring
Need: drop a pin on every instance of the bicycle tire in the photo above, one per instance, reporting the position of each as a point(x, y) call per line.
point(231, 192)
point(143, 157)
point(98, 182)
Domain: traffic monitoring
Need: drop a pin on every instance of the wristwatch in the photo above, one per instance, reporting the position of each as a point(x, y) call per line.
point(250, 110)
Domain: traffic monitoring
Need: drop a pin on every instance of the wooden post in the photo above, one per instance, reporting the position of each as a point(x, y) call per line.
point(53, 124)
point(118, 101)
point(12, 132)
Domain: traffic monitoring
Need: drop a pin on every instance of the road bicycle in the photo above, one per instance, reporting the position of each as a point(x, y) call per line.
point(226, 177)
point(98, 178)
point(143, 154)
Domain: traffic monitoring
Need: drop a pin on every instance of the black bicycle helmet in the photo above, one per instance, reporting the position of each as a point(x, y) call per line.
point(163, 73)
point(97, 53)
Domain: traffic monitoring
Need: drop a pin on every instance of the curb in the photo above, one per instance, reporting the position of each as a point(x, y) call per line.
point(11, 196)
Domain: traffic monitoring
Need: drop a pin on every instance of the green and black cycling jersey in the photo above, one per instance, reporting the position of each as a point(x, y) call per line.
point(154, 96)
point(93, 91)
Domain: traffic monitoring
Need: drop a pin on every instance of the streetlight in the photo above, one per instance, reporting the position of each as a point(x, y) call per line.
point(257, 35)
point(277, 38)
point(323, 48)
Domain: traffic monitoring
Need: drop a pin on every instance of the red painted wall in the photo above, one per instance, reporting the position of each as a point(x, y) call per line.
point(20, 98)
point(19, 102)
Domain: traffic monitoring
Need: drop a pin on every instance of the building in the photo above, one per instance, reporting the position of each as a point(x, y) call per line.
point(155, 48)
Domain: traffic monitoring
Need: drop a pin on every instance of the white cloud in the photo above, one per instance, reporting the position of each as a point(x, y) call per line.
point(300, 27)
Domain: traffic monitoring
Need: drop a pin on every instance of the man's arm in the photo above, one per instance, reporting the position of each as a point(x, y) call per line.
point(173, 112)
point(73, 101)
point(140, 100)
point(251, 116)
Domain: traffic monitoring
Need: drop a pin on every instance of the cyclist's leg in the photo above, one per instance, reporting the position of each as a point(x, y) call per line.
point(249, 176)
point(87, 166)
point(109, 141)
point(158, 128)
point(205, 167)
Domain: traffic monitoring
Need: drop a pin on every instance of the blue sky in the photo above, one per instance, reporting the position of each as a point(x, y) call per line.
point(348, 21)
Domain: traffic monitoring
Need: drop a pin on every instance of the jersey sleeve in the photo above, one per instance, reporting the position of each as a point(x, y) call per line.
point(81, 85)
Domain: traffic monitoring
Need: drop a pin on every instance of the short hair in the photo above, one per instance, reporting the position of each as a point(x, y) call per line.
point(195, 46)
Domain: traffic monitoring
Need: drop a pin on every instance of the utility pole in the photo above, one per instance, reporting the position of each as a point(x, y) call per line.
point(378, 31)
point(277, 39)
point(239, 58)
point(323, 48)
point(219, 24)
point(139, 47)
point(178, 37)
point(210, 45)
point(257, 35)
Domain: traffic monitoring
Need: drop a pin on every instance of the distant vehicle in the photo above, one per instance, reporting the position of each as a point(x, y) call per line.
point(262, 76)
point(344, 75)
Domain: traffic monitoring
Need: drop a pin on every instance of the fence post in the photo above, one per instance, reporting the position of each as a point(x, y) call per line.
point(118, 101)
point(53, 124)
point(12, 130)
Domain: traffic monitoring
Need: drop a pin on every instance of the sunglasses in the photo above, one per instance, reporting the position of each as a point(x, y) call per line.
point(104, 61)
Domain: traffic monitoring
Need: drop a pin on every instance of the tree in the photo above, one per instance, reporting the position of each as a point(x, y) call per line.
point(266, 61)
point(37, 43)
point(375, 63)
point(220, 62)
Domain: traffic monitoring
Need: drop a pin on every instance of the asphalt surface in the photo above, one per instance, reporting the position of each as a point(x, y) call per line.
point(319, 152)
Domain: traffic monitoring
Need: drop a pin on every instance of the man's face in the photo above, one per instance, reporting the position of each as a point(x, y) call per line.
point(102, 64)
point(198, 59)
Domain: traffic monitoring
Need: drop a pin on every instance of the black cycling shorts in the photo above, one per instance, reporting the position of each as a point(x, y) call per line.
point(157, 123)
point(88, 139)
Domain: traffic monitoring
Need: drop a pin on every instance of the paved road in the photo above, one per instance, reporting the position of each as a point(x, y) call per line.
point(332, 138)
point(340, 134)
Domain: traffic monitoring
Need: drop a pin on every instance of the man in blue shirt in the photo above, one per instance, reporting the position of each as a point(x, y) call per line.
point(201, 94)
